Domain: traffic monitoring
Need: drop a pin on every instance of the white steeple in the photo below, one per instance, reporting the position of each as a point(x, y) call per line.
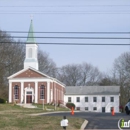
point(31, 50)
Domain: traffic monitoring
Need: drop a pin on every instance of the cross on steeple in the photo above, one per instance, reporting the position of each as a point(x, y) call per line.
point(31, 38)
point(31, 16)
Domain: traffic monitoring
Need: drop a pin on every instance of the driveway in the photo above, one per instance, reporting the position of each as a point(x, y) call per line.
point(96, 120)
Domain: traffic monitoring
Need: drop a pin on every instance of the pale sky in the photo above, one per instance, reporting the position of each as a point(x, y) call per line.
point(71, 16)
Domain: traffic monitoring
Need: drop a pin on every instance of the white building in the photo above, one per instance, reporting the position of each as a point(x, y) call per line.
point(93, 98)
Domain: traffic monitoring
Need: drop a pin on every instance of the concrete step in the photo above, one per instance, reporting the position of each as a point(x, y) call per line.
point(27, 105)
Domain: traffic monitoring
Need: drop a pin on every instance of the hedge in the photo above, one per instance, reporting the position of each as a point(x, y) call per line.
point(70, 105)
point(2, 100)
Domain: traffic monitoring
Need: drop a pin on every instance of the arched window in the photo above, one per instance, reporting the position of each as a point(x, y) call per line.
point(42, 92)
point(16, 92)
point(30, 53)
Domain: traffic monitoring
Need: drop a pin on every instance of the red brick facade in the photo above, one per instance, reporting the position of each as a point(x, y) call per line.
point(29, 74)
point(50, 84)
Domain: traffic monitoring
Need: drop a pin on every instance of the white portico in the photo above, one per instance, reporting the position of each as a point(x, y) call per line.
point(28, 94)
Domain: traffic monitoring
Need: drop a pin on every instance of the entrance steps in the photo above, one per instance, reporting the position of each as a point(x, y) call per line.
point(27, 105)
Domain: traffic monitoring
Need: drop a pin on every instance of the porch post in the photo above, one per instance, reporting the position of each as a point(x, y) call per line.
point(10, 92)
point(25, 96)
point(22, 92)
point(48, 92)
point(36, 92)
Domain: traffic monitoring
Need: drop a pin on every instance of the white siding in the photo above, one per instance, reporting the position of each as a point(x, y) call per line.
point(31, 56)
point(99, 104)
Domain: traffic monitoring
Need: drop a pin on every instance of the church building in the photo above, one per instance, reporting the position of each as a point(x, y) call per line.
point(29, 85)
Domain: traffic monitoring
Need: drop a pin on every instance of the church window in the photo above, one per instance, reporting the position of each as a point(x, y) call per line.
point(42, 92)
point(30, 53)
point(16, 92)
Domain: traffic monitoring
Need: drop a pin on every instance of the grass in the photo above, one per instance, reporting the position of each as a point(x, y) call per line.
point(18, 118)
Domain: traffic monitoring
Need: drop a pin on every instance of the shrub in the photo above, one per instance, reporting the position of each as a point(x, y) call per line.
point(59, 102)
point(70, 105)
point(2, 100)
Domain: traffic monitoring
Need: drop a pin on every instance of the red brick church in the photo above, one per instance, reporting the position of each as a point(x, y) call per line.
point(29, 85)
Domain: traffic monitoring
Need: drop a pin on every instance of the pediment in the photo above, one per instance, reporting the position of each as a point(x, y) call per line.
point(29, 73)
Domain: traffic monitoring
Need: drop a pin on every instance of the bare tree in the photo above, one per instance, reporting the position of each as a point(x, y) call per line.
point(70, 75)
point(122, 75)
point(46, 64)
point(79, 75)
point(11, 59)
point(90, 75)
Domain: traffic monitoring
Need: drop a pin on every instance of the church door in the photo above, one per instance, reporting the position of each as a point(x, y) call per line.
point(29, 99)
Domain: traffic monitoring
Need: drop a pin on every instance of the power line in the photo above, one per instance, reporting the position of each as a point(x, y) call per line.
point(71, 37)
point(71, 32)
point(32, 6)
point(65, 12)
point(75, 44)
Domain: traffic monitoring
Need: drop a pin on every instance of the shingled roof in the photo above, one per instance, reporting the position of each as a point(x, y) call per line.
point(92, 90)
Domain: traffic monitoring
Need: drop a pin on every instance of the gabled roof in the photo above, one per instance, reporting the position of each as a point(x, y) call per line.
point(23, 70)
point(31, 38)
point(44, 75)
point(92, 90)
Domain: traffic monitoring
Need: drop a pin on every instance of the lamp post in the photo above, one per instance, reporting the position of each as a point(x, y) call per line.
point(43, 103)
point(43, 98)
point(23, 99)
point(14, 99)
point(13, 96)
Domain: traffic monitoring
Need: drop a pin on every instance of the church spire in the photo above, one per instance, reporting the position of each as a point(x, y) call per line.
point(31, 59)
point(31, 38)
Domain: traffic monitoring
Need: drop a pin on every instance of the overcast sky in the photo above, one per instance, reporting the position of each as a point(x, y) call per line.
point(71, 16)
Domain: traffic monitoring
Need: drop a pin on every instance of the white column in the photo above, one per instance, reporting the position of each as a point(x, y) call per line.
point(22, 92)
point(10, 92)
point(57, 95)
point(51, 95)
point(25, 96)
point(48, 92)
point(36, 91)
point(62, 95)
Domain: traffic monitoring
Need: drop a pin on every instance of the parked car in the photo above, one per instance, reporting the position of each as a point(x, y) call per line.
point(127, 107)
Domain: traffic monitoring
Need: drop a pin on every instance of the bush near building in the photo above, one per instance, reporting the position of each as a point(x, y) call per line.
point(70, 105)
point(2, 100)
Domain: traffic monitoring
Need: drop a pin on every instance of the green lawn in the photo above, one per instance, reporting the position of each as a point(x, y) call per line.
point(18, 118)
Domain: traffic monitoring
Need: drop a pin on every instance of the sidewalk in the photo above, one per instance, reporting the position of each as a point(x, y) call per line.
point(44, 113)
